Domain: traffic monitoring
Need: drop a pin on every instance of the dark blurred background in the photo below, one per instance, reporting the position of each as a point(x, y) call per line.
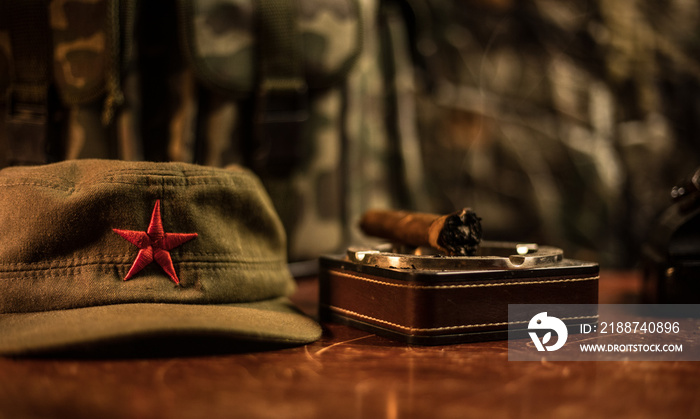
point(562, 123)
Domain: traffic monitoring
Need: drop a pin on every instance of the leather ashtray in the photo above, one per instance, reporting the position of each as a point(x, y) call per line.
point(428, 299)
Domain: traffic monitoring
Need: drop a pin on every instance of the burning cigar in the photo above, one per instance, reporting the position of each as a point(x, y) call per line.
point(458, 233)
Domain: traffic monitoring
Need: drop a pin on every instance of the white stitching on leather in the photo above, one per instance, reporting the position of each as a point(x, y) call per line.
point(464, 326)
point(493, 284)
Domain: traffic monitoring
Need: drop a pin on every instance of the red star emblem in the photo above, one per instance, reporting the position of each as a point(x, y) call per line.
point(155, 245)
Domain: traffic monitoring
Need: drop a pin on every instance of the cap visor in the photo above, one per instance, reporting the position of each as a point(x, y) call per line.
point(157, 329)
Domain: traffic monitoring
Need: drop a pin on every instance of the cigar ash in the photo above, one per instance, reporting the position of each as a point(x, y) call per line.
point(460, 234)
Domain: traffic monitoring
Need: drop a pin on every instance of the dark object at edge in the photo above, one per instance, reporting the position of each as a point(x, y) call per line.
point(671, 256)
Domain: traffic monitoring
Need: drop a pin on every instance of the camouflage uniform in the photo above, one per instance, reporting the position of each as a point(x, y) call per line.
point(561, 123)
point(564, 123)
point(182, 81)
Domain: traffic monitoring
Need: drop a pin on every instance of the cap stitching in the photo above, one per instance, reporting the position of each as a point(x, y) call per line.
point(7, 267)
point(238, 179)
point(143, 182)
point(177, 181)
point(181, 171)
point(72, 270)
point(38, 184)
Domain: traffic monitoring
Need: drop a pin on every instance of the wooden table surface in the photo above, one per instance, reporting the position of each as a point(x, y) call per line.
point(352, 374)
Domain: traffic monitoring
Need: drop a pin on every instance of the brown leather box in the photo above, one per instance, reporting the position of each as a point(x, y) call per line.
point(434, 300)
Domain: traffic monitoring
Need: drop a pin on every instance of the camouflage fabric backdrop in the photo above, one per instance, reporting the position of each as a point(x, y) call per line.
point(563, 123)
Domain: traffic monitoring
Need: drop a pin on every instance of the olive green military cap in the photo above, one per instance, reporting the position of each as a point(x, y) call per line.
point(100, 252)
